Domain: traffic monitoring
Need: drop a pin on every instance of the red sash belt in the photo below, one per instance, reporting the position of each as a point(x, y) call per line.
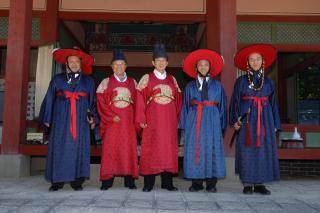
point(199, 116)
point(73, 96)
point(257, 102)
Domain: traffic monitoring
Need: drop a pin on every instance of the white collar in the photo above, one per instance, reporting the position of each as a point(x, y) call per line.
point(123, 79)
point(200, 79)
point(160, 75)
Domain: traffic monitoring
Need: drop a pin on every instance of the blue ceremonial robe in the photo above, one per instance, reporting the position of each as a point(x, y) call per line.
point(256, 164)
point(68, 159)
point(213, 121)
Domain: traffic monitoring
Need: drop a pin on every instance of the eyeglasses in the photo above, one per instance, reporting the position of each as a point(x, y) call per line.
point(251, 60)
point(160, 60)
point(119, 64)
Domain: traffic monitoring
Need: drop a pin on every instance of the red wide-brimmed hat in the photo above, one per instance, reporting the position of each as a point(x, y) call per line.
point(268, 52)
point(190, 62)
point(61, 56)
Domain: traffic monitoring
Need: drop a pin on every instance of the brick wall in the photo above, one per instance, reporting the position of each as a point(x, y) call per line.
point(299, 168)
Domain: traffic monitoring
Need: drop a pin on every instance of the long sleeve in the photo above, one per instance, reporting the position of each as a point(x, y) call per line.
point(223, 109)
point(141, 100)
point(178, 98)
point(46, 110)
point(102, 108)
point(275, 108)
point(134, 99)
point(185, 108)
point(235, 104)
point(105, 112)
point(92, 101)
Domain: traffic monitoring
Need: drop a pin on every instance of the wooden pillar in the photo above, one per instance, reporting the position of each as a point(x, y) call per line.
point(16, 77)
point(222, 37)
point(50, 22)
point(282, 96)
point(213, 24)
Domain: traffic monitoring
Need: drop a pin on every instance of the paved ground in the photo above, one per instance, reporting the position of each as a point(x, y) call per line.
point(31, 195)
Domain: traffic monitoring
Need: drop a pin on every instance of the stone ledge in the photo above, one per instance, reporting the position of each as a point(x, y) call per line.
point(14, 166)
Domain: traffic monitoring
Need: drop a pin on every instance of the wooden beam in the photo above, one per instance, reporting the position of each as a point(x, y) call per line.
point(148, 17)
point(4, 13)
point(273, 18)
point(301, 127)
point(33, 150)
point(42, 150)
point(299, 154)
point(34, 43)
point(283, 154)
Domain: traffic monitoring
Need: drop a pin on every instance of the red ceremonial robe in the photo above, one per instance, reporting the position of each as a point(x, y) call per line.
point(119, 148)
point(158, 105)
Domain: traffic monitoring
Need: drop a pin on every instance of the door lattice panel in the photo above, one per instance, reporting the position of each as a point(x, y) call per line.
point(280, 33)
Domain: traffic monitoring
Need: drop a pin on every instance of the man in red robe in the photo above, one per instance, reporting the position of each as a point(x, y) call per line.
point(115, 103)
point(157, 111)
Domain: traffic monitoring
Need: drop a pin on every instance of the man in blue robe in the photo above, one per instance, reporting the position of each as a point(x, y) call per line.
point(68, 110)
point(203, 120)
point(254, 97)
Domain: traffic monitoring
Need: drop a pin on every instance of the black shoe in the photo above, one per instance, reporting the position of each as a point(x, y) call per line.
point(103, 187)
point(77, 184)
point(149, 181)
point(55, 187)
point(132, 186)
point(146, 189)
point(170, 188)
point(195, 188)
point(247, 190)
point(261, 189)
point(211, 189)
point(129, 182)
point(77, 188)
point(106, 184)
point(211, 185)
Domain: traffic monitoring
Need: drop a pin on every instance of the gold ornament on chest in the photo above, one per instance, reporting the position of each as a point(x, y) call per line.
point(121, 97)
point(162, 94)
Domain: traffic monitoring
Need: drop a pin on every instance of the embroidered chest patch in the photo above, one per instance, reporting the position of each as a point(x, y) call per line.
point(122, 97)
point(163, 95)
